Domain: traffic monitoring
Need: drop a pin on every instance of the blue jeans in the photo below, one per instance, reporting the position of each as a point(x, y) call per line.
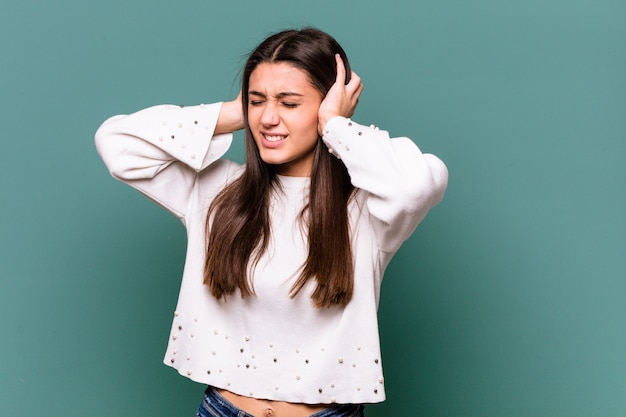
point(215, 405)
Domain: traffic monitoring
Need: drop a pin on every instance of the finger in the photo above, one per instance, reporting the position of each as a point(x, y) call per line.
point(358, 91)
point(355, 86)
point(341, 70)
point(355, 81)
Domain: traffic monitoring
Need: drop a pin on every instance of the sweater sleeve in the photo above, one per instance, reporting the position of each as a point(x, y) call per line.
point(161, 150)
point(401, 182)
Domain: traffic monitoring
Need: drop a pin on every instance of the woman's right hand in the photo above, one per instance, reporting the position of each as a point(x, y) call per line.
point(231, 117)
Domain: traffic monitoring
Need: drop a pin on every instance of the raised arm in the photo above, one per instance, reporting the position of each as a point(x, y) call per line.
point(162, 149)
point(401, 182)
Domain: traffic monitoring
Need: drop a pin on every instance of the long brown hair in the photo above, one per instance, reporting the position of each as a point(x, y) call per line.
point(238, 221)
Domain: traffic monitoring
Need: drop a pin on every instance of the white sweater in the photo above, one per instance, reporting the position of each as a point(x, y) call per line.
point(269, 345)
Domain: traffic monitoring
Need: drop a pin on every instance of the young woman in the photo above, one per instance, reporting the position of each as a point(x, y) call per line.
point(277, 311)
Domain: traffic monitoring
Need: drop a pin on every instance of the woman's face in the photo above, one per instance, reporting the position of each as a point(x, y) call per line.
point(282, 113)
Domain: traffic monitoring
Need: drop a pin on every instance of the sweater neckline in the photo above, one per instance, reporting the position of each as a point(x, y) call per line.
point(288, 182)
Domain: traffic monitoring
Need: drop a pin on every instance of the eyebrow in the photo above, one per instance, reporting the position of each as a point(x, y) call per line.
point(278, 96)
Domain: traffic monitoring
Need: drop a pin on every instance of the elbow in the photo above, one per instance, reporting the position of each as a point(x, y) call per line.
point(425, 188)
point(438, 178)
point(109, 150)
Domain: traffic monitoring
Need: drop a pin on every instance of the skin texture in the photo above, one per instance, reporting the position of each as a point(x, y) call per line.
point(283, 117)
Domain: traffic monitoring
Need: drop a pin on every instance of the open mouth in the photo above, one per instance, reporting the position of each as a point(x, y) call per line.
point(274, 138)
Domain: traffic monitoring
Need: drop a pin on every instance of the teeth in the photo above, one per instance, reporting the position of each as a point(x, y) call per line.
point(274, 138)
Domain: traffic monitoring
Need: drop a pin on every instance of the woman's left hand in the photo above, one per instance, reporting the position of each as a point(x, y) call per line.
point(342, 98)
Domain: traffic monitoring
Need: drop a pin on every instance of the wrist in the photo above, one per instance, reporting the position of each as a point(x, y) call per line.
point(323, 121)
point(230, 118)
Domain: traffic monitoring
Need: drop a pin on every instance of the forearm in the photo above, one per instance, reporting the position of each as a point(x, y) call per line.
point(402, 183)
point(230, 118)
point(160, 150)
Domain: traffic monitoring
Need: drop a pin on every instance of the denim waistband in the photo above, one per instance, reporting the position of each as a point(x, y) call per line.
point(215, 405)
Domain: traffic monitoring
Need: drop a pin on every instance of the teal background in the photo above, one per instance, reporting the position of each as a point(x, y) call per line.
point(510, 300)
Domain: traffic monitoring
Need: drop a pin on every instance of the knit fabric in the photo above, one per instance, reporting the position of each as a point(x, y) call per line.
point(270, 345)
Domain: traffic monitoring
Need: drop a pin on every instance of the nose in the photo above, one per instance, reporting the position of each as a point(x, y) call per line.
point(269, 117)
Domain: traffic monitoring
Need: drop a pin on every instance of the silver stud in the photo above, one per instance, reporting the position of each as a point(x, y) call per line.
point(215, 332)
point(360, 133)
point(340, 360)
point(349, 123)
point(176, 314)
point(358, 388)
point(347, 147)
point(180, 124)
point(353, 365)
point(247, 338)
point(193, 156)
point(189, 372)
point(380, 380)
point(298, 377)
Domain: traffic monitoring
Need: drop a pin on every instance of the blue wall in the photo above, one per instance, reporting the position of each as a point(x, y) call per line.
point(510, 300)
